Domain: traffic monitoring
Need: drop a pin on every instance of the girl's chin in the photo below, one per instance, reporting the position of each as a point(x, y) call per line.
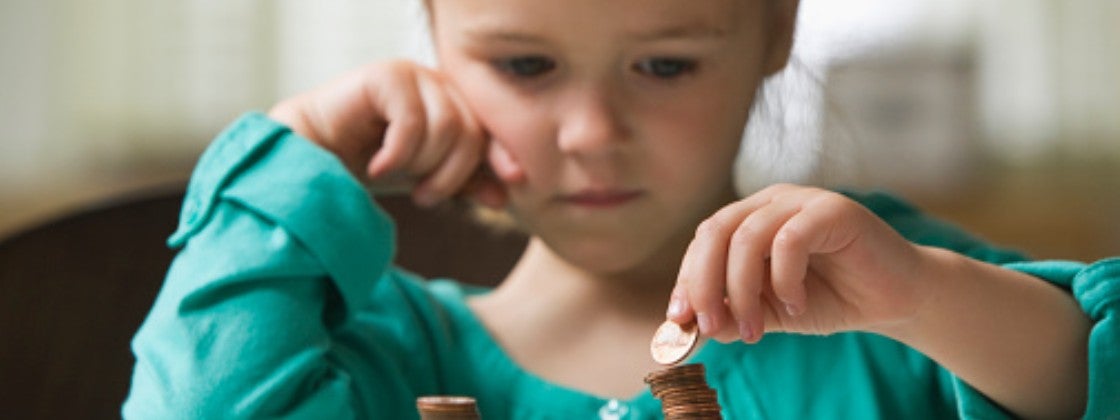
point(603, 258)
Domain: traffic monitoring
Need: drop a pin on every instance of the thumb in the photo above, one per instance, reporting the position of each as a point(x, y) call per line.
point(505, 166)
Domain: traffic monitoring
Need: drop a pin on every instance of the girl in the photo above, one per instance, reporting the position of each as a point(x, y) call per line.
point(607, 130)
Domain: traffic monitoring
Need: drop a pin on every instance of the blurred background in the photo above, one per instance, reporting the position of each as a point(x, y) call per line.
point(1000, 115)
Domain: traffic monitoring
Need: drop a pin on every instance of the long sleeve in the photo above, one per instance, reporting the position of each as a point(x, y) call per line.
point(1095, 286)
point(265, 309)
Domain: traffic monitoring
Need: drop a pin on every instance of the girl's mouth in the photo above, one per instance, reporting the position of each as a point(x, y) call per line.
point(601, 198)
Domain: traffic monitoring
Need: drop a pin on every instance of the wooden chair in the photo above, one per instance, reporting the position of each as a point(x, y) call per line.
point(74, 290)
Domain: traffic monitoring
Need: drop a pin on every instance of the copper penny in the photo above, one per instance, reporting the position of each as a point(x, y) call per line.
point(672, 342)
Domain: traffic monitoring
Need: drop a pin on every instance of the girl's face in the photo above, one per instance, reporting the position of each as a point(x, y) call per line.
point(625, 115)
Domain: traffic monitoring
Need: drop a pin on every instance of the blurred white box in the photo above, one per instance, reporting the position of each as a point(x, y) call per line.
point(902, 121)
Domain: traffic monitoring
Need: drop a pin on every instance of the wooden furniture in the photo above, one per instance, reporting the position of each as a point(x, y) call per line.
point(74, 290)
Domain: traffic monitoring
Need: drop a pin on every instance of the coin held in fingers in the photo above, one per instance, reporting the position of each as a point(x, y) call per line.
point(673, 342)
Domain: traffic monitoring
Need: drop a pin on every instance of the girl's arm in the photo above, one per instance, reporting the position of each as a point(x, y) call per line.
point(804, 260)
point(1019, 340)
point(281, 302)
point(280, 248)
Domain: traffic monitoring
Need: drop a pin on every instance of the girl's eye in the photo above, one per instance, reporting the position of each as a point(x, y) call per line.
point(526, 67)
point(665, 68)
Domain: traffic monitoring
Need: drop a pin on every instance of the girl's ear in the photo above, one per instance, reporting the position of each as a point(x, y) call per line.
point(783, 23)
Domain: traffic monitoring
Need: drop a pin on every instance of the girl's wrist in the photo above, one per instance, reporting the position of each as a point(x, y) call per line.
point(290, 113)
point(930, 286)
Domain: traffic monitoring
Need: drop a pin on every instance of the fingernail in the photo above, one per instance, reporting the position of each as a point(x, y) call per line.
point(676, 308)
point(746, 331)
point(705, 323)
point(792, 309)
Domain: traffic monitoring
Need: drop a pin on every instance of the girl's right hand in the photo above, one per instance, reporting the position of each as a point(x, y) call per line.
point(398, 126)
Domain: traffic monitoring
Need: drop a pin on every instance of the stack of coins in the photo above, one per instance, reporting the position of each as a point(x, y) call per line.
point(445, 407)
point(684, 393)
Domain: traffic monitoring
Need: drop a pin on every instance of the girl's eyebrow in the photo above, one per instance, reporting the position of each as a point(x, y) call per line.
point(503, 35)
point(689, 31)
point(695, 30)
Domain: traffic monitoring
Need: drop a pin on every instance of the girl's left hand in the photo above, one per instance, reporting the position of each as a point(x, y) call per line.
point(796, 259)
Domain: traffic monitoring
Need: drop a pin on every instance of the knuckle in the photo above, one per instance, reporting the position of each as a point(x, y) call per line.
point(780, 282)
point(711, 227)
point(780, 186)
point(398, 67)
point(445, 128)
point(746, 234)
point(391, 71)
point(411, 125)
point(789, 237)
point(832, 199)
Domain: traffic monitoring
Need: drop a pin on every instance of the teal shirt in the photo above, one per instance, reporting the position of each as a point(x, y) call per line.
point(283, 302)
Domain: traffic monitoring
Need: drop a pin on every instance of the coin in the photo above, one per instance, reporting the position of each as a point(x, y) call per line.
point(684, 393)
point(447, 407)
point(672, 342)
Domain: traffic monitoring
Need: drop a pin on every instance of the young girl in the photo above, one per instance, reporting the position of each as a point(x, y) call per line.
point(608, 131)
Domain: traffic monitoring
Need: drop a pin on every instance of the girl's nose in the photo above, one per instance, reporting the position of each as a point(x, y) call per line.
point(591, 125)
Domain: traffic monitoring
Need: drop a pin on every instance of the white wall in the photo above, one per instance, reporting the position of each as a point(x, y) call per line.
point(23, 81)
point(1050, 77)
point(321, 39)
point(89, 88)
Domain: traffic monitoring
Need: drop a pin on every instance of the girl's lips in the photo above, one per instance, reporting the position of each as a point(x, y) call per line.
point(601, 198)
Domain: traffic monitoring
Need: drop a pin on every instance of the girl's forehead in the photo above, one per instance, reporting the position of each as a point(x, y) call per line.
point(628, 16)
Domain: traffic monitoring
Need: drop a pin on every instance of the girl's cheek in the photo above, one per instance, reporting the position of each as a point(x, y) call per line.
point(524, 153)
point(519, 141)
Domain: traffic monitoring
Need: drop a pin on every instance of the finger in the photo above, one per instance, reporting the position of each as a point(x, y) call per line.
point(811, 230)
point(790, 263)
point(679, 310)
point(705, 274)
point(465, 176)
point(705, 262)
point(747, 271)
point(451, 174)
point(444, 125)
point(406, 123)
point(729, 331)
point(773, 312)
point(471, 126)
point(704, 268)
point(354, 144)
